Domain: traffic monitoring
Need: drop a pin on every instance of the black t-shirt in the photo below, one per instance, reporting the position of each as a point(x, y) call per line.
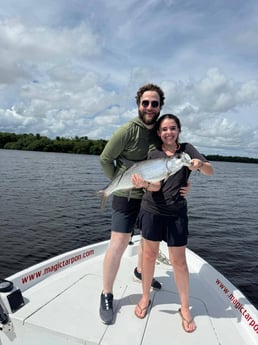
point(168, 201)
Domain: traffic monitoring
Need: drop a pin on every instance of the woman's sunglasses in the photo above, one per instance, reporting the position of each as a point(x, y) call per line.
point(154, 104)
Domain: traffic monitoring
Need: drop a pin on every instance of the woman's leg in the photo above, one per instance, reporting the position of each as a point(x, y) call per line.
point(181, 275)
point(150, 253)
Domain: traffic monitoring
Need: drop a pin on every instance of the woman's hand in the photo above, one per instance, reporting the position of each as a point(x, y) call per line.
point(185, 190)
point(204, 167)
point(138, 181)
point(196, 164)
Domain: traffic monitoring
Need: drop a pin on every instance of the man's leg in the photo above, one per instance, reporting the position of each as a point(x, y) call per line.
point(117, 246)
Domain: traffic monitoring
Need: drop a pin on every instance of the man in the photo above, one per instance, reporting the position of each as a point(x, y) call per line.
point(129, 144)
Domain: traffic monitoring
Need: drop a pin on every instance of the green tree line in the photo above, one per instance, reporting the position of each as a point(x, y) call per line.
point(31, 142)
point(239, 159)
point(36, 142)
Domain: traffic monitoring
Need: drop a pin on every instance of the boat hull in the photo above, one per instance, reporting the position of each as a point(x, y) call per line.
point(61, 302)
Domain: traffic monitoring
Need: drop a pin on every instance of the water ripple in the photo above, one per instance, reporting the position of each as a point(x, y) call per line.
point(48, 205)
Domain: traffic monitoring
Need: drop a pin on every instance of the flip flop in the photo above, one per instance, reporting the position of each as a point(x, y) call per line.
point(143, 311)
point(187, 321)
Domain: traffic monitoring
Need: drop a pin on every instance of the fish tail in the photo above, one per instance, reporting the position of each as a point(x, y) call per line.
point(104, 198)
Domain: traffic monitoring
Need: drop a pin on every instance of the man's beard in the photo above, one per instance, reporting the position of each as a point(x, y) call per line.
point(152, 121)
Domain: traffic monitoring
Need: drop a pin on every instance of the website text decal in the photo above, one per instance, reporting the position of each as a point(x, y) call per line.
point(238, 306)
point(55, 267)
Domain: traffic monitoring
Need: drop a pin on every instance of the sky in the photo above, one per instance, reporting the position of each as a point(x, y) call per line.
point(72, 68)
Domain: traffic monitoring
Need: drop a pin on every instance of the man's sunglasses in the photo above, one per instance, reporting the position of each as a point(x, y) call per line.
point(154, 104)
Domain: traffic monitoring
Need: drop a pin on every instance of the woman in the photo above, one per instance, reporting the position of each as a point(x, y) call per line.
point(163, 216)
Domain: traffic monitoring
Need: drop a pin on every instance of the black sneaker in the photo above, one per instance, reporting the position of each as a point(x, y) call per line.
point(155, 284)
point(106, 312)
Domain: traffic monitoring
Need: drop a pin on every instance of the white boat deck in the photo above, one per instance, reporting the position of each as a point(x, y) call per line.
point(64, 308)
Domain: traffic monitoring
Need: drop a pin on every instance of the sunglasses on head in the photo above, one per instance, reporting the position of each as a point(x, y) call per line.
point(154, 104)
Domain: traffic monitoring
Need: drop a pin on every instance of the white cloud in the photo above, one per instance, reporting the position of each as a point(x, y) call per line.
point(69, 69)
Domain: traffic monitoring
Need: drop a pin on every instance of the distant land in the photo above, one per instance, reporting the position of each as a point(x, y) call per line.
point(239, 159)
point(79, 145)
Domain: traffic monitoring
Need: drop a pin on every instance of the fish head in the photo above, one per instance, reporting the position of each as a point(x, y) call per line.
point(186, 159)
point(177, 162)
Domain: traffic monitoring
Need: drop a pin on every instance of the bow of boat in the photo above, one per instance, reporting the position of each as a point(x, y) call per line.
point(61, 304)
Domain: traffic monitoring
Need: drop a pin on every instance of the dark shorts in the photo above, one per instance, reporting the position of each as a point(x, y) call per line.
point(173, 230)
point(124, 214)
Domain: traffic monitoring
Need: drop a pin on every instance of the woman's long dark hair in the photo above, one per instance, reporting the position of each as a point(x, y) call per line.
point(171, 117)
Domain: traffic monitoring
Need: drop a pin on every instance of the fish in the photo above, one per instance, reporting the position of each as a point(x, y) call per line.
point(151, 170)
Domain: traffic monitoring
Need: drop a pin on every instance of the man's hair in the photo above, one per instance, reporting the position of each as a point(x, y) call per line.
point(150, 87)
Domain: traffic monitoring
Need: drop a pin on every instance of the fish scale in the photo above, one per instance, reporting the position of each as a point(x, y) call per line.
point(152, 170)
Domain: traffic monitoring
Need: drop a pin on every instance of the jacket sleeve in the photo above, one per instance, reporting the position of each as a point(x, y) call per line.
point(112, 151)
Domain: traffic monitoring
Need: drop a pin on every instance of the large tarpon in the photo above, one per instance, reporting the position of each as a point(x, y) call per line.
point(152, 170)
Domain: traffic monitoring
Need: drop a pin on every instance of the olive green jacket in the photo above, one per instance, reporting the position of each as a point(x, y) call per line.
point(129, 144)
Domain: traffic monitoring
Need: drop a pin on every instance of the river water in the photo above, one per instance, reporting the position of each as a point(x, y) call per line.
point(48, 205)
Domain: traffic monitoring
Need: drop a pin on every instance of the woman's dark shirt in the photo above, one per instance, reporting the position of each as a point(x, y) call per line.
point(168, 201)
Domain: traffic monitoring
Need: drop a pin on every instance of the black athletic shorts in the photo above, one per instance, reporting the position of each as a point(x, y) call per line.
point(124, 214)
point(171, 229)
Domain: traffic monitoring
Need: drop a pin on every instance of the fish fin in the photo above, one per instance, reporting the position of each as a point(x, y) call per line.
point(129, 194)
point(103, 197)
